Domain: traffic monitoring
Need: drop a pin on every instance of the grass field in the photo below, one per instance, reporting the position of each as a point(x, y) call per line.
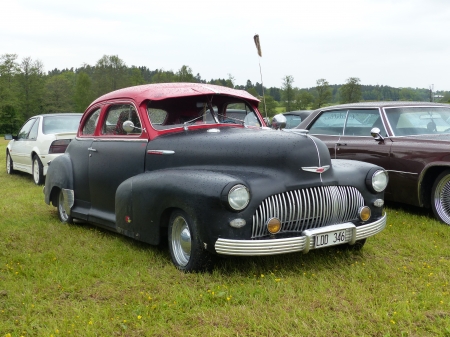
point(76, 280)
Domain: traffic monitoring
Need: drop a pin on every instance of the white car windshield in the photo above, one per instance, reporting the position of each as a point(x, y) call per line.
point(59, 124)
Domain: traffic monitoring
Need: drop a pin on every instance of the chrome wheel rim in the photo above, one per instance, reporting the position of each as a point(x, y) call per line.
point(36, 171)
point(62, 213)
point(442, 199)
point(181, 241)
point(8, 164)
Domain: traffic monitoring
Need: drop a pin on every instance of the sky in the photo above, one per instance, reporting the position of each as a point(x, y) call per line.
point(399, 43)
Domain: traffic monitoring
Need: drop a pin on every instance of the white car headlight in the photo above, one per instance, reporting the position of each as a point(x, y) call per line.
point(238, 197)
point(380, 180)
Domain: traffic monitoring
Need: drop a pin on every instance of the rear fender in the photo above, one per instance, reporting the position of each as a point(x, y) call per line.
point(59, 175)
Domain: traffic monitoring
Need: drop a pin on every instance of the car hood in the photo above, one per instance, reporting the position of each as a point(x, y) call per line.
point(292, 156)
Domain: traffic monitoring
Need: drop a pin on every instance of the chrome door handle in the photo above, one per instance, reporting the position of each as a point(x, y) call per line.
point(91, 149)
point(341, 144)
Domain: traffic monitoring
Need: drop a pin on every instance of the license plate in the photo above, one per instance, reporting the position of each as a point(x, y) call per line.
point(329, 239)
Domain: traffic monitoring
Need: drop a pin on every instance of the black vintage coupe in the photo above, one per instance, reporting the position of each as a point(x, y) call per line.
point(194, 164)
point(411, 140)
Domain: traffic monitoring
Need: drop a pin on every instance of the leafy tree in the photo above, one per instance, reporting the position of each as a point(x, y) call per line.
point(136, 77)
point(409, 94)
point(287, 92)
point(83, 94)
point(162, 76)
point(303, 100)
point(185, 75)
point(59, 94)
point(271, 106)
point(110, 73)
point(350, 92)
point(9, 68)
point(30, 88)
point(324, 93)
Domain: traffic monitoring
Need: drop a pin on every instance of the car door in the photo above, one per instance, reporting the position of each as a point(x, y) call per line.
point(114, 156)
point(22, 146)
point(354, 140)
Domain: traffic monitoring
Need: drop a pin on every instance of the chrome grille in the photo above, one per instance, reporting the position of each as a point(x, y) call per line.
point(308, 208)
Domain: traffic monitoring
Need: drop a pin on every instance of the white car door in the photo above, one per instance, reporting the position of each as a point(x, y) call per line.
point(21, 147)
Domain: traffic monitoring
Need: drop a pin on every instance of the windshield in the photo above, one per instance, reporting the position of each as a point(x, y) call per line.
point(59, 124)
point(409, 121)
point(184, 111)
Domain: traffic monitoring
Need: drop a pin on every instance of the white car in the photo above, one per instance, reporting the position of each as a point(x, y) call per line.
point(40, 140)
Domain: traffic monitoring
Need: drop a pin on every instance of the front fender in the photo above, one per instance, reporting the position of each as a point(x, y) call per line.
point(142, 202)
point(59, 175)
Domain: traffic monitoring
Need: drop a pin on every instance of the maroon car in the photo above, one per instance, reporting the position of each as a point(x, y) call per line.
point(409, 139)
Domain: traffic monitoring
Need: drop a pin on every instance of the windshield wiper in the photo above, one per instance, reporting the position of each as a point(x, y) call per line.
point(232, 118)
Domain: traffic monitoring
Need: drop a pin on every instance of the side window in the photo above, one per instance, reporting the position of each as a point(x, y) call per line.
point(292, 121)
point(116, 116)
point(239, 113)
point(360, 122)
point(91, 123)
point(26, 128)
point(34, 130)
point(329, 123)
point(158, 117)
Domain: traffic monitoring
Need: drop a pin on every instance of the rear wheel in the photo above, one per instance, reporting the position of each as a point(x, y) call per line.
point(62, 214)
point(38, 171)
point(185, 246)
point(440, 197)
point(9, 164)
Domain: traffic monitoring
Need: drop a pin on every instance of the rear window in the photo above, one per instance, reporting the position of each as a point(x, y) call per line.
point(60, 124)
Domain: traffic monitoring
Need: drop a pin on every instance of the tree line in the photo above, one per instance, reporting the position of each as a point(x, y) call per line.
point(26, 90)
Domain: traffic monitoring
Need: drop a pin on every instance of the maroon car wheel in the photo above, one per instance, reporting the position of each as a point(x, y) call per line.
point(440, 197)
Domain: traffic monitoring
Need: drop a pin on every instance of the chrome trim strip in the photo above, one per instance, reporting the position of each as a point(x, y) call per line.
point(402, 172)
point(302, 243)
point(160, 152)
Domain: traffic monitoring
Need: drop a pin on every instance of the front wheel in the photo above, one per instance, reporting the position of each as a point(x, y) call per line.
point(62, 214)
point(38, 171)
point(9, 164)
point(440, 197)
point(185, 246)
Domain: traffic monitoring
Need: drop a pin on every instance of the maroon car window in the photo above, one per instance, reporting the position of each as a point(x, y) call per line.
point(91, 123)
point(407, 121)
point(360, 122)
point(329, 123)
point(116, 116)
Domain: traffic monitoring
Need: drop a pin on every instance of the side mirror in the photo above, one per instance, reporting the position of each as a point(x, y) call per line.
point(376, 134)
point(278, 122)
point(8, 137)
point(128, 126)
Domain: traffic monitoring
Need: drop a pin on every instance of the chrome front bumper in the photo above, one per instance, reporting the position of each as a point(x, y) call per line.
point(302, 243)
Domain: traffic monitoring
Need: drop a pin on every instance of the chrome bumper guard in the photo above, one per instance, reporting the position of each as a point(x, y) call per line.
point(302, 243)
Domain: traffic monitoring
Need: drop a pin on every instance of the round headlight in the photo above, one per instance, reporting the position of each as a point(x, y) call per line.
point(380, 180)
point(238, 197)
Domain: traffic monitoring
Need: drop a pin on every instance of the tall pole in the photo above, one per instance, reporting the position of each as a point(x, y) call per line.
point(258, 48)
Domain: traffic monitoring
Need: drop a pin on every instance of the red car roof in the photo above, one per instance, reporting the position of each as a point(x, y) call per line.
point(170, 90)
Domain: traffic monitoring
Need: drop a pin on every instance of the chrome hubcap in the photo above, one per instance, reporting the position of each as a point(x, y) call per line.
point(8, 164)
point(181, 241)
point(61, 210)
point(36, 171)
point(442, 199)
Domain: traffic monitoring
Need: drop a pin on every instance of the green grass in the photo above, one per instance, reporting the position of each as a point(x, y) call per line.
point(76, 280)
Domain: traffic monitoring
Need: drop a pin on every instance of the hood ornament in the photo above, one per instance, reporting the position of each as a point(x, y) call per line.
point(316, 169)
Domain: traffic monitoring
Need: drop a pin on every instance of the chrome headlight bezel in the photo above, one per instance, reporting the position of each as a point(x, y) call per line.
point(238, 197)
point(377, 180)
